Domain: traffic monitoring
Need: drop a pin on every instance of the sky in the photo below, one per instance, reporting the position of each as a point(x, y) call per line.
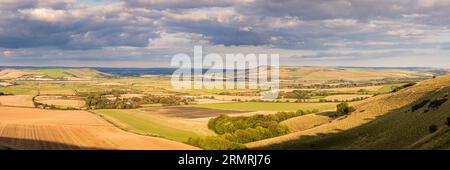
point(147, 33)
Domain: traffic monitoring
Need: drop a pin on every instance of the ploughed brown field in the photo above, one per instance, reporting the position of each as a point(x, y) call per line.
point(36, 129)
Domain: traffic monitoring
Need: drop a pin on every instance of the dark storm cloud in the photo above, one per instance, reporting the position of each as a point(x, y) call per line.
point(40, 25)
point(132, 23)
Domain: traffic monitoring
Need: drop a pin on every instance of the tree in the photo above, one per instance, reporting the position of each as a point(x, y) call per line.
point(344, 109)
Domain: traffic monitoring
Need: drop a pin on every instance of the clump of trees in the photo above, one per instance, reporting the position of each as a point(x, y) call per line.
point(235, 131)
point(215, 143)
point(97, 101)
point(4, 94)
point(297, 94)
point(113, 92)
point(100, 102)
point(226, 124)
point(348, 100)
point(344, 109)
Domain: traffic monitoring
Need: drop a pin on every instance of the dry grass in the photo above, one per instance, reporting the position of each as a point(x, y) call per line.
point(381, 122)
point(305, 122)
point(13, 74)
point(26, 128)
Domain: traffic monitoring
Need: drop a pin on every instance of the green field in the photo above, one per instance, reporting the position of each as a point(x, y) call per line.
point(58, 73)
point(389, 88)
point(19, 90)
point(149, 124)
point(261, 106)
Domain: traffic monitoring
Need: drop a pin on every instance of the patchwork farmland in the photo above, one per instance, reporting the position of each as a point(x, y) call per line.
point(87, 109)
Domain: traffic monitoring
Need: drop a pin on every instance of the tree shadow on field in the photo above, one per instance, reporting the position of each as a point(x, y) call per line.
point(328, 114)
point(29, 144)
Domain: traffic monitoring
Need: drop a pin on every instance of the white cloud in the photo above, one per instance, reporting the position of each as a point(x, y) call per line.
point(406, 33)
point(8, 53)
point(340, 22)
point(44, 14)
point(177, 40)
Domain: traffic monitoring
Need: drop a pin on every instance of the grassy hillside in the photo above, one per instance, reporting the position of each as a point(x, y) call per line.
point(391, 121)
point(58, 73)
point(440, 140)
point(351, 74)
point(53, 73)
point(154, 124)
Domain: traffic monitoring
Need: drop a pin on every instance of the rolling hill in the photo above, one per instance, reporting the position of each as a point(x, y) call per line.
point(350, 74)
point(52, 74)
point(411, 118)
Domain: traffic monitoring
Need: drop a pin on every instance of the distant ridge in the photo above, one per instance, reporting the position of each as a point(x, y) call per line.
point(139, 71)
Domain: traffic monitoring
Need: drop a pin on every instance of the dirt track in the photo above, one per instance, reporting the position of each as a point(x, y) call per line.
point(35, 129)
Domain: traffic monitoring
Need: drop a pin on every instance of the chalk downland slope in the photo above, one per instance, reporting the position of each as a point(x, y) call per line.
point(36, 129)
point(13, 74)
point(390, 121)
point(52, 74)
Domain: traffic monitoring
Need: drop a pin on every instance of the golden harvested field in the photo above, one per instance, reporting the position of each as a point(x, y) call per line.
point(16, 100)
point(384, 121)
point(5, 84)
point(64, 102)
point(67, 101)
point(12, 73)
point(29, 128)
